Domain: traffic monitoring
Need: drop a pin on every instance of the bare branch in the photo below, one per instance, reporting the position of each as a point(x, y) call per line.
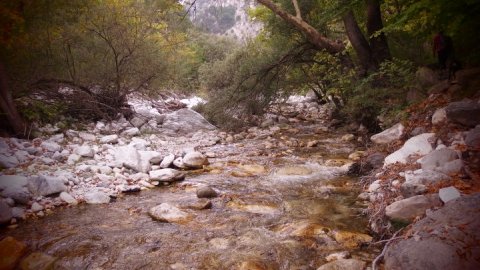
point(297, 9)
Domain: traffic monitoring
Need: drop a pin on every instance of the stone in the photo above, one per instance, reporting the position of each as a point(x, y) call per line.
point(452, 167)
point(194, 160)
point(253, 169)
point(167, 161)
point(15, 187)
point(417, 131)
point(337, 256)
point(426, 76)
point(43, 185)
point(206, 192)
point(138, 121)
point(373, 187)
point(390, 135)
point(51, 146)
point(418, 145)
point(7, 161)
point(344, 264)
point(374, 161)
point(347, 138)
point(267, 123)
point(166, 175)
point(131, 132)
point(464, 112)
point(87, 136)
point(5, 212)
point(449, 193)
point(11, 251)
point(178, 162)
point(351, 239)
point(73, 158)
point(437, 158)
point(112, 139)
point(37, 261)
point(446, 239)
point(200, 204)
point(96, 197)
point(18, 212)
point(439, 116)
point(128, 157)
point(36, 207)
point(66, 197)
point(407, 210)
point(166, 212)
point(185, 121)
point(85, 151)
point(425, 177)
point(472, 140)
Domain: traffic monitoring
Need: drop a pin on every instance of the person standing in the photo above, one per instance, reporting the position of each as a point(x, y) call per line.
point(440, 49)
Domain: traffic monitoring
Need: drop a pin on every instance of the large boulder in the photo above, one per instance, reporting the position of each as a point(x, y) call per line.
point(46, 185)
point(168, 213)
point(194, 160)
point(5, 213)
point(416, 182)
point(96, 197)
point(464, 112)
point(389, 135)
point(8, 161)
point(407, 210)
point(437, 158)
point(85, 151)
point(185, 121)
point(472, 140)
point(445, 239)
point(418, 145)
point(15, 187)
point(129, 157)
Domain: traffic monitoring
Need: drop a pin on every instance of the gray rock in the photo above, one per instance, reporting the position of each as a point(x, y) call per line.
point(73, 158)
point(96, 197)
point(206, 192)
point(268, 122)
point(137, 121)
point(389, 135)
point(45, 185)
point(166, 175)
point(178, 162)
point(139, 144)
point(152, 157)
point(452, 167)
point(472, 140)
point(167, 161)
point(66, 197)
point(344, 264)
point(18, 212)
point(445, 239)
point(194, 160)
point(128, 157)
point(449, 193)
point(374, 161)
point(51, 146)
point(131, 132)
point(464, 112)
point(5, 213)
point(185, 121)
point(437, 158)
point(168, 213)
point(417, 131)
point(87, 136)
point(7, 161)
point(418, 145)
point(85, 151)
point(36, 207)
point(425, 177)
point(407, 210)
point(439, 116)
point(15, 187)
point(112, 139)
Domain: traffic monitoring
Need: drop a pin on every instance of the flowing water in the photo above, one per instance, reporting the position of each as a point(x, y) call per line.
point(280, 210)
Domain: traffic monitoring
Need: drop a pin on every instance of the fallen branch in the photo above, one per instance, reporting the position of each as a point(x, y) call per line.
point(374, 263)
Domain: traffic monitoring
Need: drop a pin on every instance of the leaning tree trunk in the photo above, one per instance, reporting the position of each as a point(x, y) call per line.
point(8, 107)
point(359, 43)
point(378, 41)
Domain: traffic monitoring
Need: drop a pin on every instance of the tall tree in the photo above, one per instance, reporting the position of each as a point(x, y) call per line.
point(378, 40)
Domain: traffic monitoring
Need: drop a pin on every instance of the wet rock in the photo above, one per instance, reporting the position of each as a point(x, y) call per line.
point(11, 251)
point(344, 264)
point(66, 197)
point(374, 161)
point(167, 161)
point(185, 121)
point(253, 169)
point(449, 193)
point(85, 151)
point(464, 112)
point(253, 265)
point(194, 160)
point(112, 139)
point(96, 197)
point(200, 204)
point(418, 145)
point(351, 239)
point(168, 213)
point(439, 116)
point(446, 239)
point(15, 187)
point(389, 135)
point(472, 140)
point(51, 146)
point(206, 192)
point(294, 170)
point(407, 210)
point(437, 158)
point(46, 185)
point(166, 175)
point(37, 261)
point(5, 212)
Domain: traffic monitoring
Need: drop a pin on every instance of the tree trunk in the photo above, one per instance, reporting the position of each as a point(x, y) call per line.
point(8, 107)
point(359, 43)
point(318, 40)
point(378, 43)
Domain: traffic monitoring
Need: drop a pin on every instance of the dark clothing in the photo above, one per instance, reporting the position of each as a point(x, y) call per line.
point(442, 47)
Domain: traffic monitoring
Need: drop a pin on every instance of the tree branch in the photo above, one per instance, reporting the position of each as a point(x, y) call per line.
point(297, 9)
